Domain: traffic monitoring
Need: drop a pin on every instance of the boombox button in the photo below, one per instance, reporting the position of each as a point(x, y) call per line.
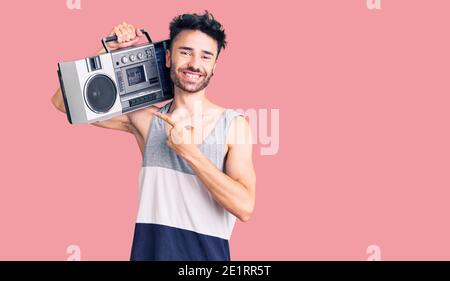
point(124, 59)
point(140, 56)
point(132, 57)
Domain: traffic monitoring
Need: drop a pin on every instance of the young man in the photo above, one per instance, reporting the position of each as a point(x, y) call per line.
point(197, 174)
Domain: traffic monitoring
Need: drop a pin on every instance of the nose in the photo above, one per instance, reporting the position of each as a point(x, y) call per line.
point(194, 62)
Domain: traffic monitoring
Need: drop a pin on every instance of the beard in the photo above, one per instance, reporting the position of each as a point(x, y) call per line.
point(189, 87)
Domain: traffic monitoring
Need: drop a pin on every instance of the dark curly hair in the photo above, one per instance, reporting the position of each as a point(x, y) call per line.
point(204, 23)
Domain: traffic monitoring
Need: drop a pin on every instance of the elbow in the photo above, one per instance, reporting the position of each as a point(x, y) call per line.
point(55, 103)
point(244, 217)
point(58, 103)
point(246, 213)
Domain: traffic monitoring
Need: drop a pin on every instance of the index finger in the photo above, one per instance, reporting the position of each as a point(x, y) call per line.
point(166, 118)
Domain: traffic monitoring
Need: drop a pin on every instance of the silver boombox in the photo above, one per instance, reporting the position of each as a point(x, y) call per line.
point(116, 82)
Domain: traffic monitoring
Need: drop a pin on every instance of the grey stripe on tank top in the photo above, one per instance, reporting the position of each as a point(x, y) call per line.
point(158, 154)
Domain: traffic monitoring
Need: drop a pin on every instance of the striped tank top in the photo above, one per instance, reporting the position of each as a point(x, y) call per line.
point(178, 219)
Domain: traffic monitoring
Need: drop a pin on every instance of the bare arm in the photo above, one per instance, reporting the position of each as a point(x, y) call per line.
point(121, 123)
point(235, 189)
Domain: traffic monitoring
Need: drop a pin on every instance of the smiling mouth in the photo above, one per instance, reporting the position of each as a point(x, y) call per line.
point(191, 76)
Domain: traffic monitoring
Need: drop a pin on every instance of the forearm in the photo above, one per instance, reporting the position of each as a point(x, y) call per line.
point(229, 193)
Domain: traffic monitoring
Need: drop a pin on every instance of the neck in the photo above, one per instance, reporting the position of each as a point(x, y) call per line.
point(188, 101)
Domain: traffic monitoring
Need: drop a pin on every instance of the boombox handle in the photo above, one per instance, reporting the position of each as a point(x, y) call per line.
point(114, 38)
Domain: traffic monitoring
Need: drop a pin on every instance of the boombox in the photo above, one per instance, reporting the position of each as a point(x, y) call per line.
point(116, 82)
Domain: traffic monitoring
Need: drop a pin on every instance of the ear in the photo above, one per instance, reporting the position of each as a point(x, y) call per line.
point(168, 58)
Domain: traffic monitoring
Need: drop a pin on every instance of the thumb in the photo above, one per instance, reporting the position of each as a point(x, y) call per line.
point(139, 32)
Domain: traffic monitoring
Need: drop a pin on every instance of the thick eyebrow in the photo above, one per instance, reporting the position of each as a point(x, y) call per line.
point(191, 49)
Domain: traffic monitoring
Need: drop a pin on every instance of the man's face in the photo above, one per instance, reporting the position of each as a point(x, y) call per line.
point(192, 60)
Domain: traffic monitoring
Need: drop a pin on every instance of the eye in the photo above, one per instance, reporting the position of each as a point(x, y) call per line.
point(185, 53)
point(206, 57)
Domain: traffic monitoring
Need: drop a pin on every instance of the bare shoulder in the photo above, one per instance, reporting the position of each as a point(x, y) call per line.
point(239, 138)
point(141, 119)
point(239, 132)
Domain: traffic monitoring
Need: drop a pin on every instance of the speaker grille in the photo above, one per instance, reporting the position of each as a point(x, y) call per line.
point(101, 93)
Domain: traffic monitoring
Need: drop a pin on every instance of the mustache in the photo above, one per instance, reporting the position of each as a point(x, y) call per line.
point(191, 69)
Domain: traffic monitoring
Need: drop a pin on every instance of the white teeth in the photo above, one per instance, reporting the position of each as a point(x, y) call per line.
point(193, 76)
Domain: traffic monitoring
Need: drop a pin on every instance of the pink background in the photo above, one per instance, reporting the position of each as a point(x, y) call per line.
point(364, 137)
